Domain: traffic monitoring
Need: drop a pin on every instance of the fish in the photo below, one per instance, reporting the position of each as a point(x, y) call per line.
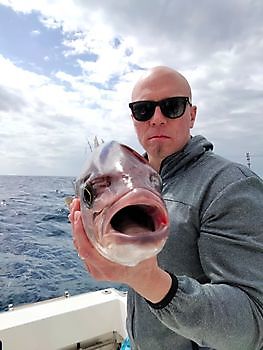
point(123, 212)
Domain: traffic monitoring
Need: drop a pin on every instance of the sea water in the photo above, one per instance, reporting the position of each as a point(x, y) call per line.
point(37, 258)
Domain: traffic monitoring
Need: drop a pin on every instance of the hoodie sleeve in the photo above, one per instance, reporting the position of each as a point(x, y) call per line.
point(226, 314)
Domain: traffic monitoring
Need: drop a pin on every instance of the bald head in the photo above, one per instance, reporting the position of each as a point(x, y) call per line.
point(158, 80)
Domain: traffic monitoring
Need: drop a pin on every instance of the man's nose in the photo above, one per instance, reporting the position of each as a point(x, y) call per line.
point(158, 118)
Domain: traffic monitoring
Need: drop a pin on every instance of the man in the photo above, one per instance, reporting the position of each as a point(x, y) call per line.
point(205, 289)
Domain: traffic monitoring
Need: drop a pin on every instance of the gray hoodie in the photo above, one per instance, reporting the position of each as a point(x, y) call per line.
point(215, 250)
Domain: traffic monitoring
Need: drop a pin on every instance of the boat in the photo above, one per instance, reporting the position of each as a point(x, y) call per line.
point(93, 320)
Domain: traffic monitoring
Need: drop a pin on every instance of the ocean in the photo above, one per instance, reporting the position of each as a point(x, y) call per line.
point(37, 258)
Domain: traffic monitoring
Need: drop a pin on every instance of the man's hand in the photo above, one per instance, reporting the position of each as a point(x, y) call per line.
point(146, 278)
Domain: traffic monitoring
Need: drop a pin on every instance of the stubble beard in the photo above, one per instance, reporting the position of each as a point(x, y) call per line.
point(159, 152)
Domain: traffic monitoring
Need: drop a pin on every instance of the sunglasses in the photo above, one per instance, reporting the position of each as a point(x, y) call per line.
point(172, 107)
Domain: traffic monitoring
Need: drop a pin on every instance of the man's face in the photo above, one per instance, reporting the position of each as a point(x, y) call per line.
point(161, 136)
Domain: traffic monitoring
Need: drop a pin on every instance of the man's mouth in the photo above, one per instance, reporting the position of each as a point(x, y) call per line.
point(159, 137)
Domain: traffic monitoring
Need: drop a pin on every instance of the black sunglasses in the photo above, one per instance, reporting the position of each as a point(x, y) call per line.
point(172, 107)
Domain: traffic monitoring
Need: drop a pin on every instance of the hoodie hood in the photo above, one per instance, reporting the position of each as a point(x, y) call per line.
point(197, 146)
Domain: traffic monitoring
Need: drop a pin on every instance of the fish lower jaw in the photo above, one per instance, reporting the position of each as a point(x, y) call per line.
point(129, 254)
point(128, 249)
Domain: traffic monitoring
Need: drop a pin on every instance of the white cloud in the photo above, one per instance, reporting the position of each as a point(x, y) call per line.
point(49, 120)
point(35, 33)
point(218, 47)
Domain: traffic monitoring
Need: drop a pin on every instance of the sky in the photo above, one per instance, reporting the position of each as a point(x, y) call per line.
point(67, 68)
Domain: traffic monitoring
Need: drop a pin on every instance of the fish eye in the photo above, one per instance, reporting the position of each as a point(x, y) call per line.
point(156, 181)
point(88, 195)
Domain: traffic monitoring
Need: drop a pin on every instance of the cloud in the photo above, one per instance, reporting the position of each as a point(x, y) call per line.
point(10, 100)
point(35, 33)
point(52, 123)
point(218, 48)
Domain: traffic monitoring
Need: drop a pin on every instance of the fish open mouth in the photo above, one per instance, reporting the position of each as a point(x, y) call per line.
point(134, 218)
point(138, 216)
point(135, 227)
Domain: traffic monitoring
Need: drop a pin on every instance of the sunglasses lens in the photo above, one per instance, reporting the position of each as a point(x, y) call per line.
point(143, 110)
point(173, 107)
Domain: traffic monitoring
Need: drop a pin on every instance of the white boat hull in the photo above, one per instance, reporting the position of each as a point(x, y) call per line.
point(94, 320)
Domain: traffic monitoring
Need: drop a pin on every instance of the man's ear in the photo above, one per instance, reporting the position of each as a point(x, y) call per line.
point(193, 112)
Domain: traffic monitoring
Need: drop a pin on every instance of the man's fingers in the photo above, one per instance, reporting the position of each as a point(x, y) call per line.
point(74, 206)
point(80, 239)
